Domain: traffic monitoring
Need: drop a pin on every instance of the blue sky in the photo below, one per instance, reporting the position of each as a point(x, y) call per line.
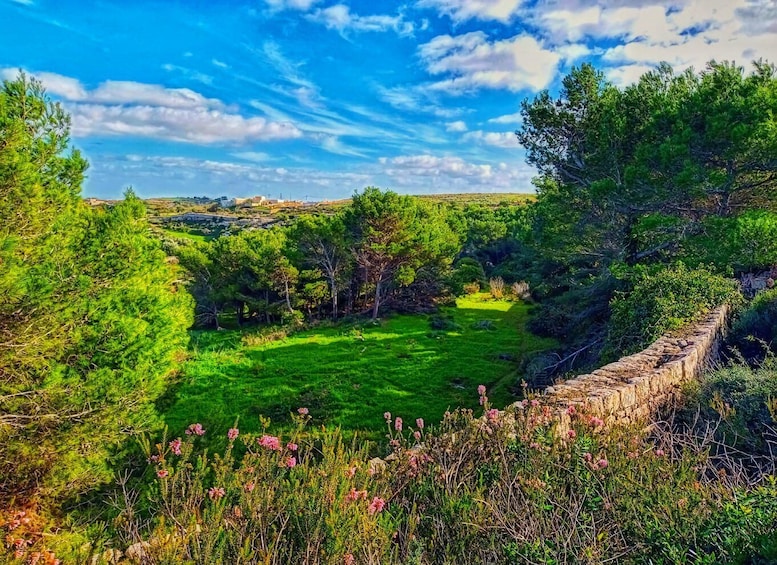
point(317, 98)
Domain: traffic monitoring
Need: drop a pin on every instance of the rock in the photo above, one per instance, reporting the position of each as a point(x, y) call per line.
point(138, 552)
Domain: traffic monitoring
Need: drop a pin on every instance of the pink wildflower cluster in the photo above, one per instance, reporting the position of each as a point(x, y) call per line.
point(175, 446)
point(232, 434)
point(19, 519)
point(387, 417)
point(303, 411)
point(250, 486)
point(377, 505)
point(349, 559)
point(419, 423)
point(195, 429)
point(43, 558)
point(354, 495)
point(290, 461)
point(398, 424)
point(162, 473)
point(492, 415)
point(270, 442)
point(215, 493)
point(596, 422)
point(482, 394)
point(291, 446)
point(350, 472)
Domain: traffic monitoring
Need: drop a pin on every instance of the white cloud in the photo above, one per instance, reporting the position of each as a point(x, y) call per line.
point(430, 173)
point(301, 5)
point(255, 156)
point(472, 62)
point(220, 64)
point(150, 110)
point(507, 119)
point(339, 17)
point(457, 126)
point(493, 138)
point(461, 10)
point(413, 99)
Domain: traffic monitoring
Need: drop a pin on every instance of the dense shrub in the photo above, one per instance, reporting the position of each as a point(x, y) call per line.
point(756, 327)
point(496, 286)
point(664, 300)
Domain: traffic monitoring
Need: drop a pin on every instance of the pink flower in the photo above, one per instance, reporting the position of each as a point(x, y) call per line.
point(602, 463)
point(571, 410)
point(419, 422)
point(291, 446)
point(377, 505)
point(398, 424)
point(387, 416)
point(535, 402)
point(354, 495)
point(483, 400)
point(250, 486)
point(417, 435)
point(492, 414)
point(596, 422)
point(175, 446)
point(195, 429)
point(534, 445)
point(232, 434)
point(303, 411)
point(291, 462)
point(659, 452)
point(481, 390)
point(270, 442)
point(350, 472)
point(162, 473)
point(216, 492)
point(571, 434)
point(349, 559)
point(153, 459)
point(587, 457)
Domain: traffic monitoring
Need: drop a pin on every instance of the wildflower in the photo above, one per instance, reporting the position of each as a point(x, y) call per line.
point(534, 445)
point(270, 442)
point(291, 462)
point(291, 446)
point(377, 505)
point(195, 429)
point(303, 411)
point(350, 472)
point(387, 416)
point(483, 400)
point(492, 414)
point(419, 422)
point(535, 402)
point(349, 559)
point(571, 434)
point(659, 452)
point(354, 495)
point(602, 463)
point(587, 457)
point(398, 424)
point(250, 486)
point(216, 492)
point(481, 390)
point(394, 443)
point(571, 410)
point(175, 446)
point(596, 422)
point(417, 435)
point(232, 434)
point(153, 459)
point(162, 473)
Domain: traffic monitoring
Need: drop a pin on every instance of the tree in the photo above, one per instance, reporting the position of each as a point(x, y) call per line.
point(394, 236)
point(91, 321)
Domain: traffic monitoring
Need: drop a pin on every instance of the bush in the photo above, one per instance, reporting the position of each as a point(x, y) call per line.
point(661, 301)
point(756, 327)
point(497, 287)
point(471, 288)
point(520, 290)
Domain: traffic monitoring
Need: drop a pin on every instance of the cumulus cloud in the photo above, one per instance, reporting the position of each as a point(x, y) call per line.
point(126, 108)
point(471, 62)
point(461, 10)
point(453, 174)
point(457, 126)
point(515, 118)
point(496, 139)
point(339, 17)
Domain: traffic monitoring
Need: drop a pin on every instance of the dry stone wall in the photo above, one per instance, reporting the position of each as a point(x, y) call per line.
point(634, 387)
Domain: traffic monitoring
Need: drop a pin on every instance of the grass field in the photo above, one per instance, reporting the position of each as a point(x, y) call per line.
point(350, 375)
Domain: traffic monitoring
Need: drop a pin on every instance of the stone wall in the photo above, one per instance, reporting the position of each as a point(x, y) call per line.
point(634, 387)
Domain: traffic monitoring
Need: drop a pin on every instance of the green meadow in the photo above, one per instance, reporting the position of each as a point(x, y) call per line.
point(349, 375)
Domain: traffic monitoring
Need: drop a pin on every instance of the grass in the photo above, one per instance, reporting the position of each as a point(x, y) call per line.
point(187, 235)
point(348, 375)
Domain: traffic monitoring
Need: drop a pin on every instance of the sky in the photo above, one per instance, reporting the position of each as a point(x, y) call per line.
point(315, 99)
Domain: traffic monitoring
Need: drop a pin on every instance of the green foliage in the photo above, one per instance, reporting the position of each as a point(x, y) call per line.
point(756, 327)
point(91, 322)
point(663, 300)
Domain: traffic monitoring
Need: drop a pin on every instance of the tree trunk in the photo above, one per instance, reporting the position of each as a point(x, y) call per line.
point(333, 287)
point(376, 305)
point(288, 298)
